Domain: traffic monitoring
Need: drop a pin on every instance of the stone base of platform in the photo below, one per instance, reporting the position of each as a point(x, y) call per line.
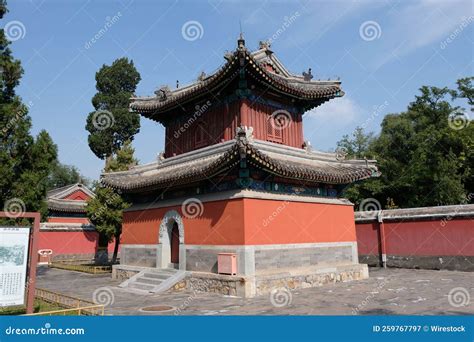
point(305, 278)
point(260, 284)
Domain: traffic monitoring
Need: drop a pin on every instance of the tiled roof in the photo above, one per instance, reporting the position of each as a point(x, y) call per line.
point(446, 212)
point(280, 80)
point(67, 205)
point(67, 190)
point(66, 227)
point(57, 202)
point(284, 161)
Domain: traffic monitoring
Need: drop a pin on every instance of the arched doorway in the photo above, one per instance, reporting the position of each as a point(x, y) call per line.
point(171, 252)
point(175, 244)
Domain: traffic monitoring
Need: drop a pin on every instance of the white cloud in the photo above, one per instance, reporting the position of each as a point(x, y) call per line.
point(414, 25)
point(343, 110)
point(406, 25)
point(317, 18)
point(326, 124)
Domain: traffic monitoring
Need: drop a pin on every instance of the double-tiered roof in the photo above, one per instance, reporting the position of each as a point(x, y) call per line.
point(275, 159)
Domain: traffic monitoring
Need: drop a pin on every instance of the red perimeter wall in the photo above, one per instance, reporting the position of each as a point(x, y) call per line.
point(71, 243)
point(419, 243)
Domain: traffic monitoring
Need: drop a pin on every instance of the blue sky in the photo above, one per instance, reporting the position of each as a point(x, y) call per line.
point(383, 51)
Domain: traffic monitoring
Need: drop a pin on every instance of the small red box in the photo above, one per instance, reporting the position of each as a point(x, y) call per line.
point(227, 263)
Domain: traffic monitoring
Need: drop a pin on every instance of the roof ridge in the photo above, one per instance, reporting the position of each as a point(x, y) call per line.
point(68, 189)
point(296, 86)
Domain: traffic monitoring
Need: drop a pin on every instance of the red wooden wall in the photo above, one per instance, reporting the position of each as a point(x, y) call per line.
point(219, 123)
point(257, 115)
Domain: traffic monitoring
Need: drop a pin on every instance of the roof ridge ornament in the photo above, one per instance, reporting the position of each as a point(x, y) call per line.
point(163, 92)
point(161, 157)
point(201, 76)
point(308, 76)
point(264, 44)
point(243, 136)
point(307, 146)
point(241, 41)
point(244, 133)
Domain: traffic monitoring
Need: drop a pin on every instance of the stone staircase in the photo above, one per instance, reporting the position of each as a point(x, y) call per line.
point(154, 280)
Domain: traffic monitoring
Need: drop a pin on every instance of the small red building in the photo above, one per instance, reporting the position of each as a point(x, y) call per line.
point(237, 177)
point(68, 204)
point(68, 233)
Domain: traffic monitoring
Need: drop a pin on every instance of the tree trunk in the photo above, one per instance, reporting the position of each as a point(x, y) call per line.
point(117, 242)
point(108, 159)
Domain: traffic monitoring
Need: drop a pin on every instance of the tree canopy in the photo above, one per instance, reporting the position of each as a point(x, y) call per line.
point(105, 210)
point(112, 124)
point(425, 154)
point(62, 175)
point(25, 160)
point(112, 128)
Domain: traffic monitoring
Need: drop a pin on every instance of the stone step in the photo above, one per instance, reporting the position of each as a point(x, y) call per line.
point(152, 281)
point(155, 281)
point(140, 286)
point(160, 276)
point(168, 270)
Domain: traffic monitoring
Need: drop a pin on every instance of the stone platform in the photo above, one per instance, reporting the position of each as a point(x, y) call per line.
point(259, 284)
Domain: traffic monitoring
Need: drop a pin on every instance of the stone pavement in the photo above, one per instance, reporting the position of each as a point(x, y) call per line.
point(386, 292)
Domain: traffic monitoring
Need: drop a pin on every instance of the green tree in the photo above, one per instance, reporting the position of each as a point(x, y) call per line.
point(105, 212)
point(112, 128)
point(62, 175)
point(425, 154)
point(465, 91)
point(123, 159)
point(25, 161)
point(105, 209)
point(357, 145)
point(112, 124)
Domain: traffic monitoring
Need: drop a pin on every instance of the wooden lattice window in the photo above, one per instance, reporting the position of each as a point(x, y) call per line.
point(275, 126)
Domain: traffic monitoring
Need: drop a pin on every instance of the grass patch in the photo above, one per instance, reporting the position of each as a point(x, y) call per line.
point(86, 268)
point(39, 306)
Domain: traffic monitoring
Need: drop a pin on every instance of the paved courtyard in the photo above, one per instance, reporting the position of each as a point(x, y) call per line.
point(386, 292)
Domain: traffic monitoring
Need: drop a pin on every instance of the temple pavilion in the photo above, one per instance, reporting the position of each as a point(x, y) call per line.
point(238, 200)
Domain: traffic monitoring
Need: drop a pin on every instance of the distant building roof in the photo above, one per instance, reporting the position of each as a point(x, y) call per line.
point(57, 198)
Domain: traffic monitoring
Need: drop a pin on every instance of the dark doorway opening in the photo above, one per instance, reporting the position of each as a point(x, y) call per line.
point(175, 244)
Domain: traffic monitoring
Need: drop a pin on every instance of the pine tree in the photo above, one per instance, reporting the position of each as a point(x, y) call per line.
point(25, 161)
point(112, 124)
point(112, 128)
